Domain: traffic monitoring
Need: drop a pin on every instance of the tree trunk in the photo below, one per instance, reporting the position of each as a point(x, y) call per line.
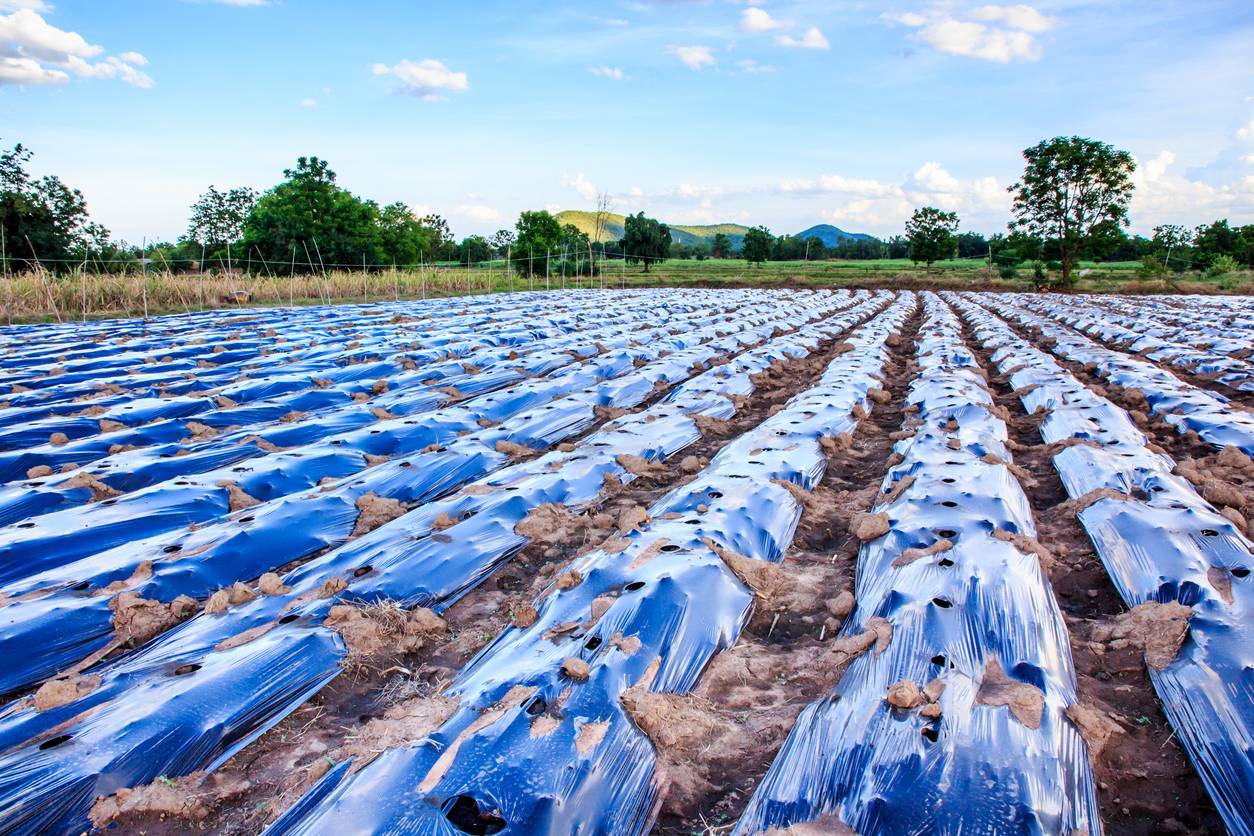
point(1067, 256)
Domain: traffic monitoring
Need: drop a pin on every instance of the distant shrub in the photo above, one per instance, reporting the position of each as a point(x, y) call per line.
point(1151, 267)
point(1222, 266)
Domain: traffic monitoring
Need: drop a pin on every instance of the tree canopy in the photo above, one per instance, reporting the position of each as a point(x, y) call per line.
point(757, 246)
point(42, 219)
point(931, 234)
point(1074, 192)
point(539, 234)
point(645, 239)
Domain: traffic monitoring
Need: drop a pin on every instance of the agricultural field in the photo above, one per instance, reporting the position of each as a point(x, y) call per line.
point(670, 560)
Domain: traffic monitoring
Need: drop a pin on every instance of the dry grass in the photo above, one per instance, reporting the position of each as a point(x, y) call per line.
point(40, 296)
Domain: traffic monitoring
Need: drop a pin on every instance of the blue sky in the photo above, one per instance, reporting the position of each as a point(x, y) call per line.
point(695, 111)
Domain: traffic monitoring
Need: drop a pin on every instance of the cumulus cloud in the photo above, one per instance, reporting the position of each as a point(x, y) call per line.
point(477, 213)
point(756, 20)
point(881, 204)
point(33, 51)
point(812, 39)
point(616, 73)
point(1246, 132)
point(1000, 34)
point(1162, 196)
point(694, 57)
point(28, 71)
point(428, 79)
point(309, 102)
point(582, 186)
point(33, 5)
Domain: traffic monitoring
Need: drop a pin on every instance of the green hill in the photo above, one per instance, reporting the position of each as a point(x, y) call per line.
point(682, 233)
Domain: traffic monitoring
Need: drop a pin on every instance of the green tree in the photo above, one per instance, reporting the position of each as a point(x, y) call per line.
point(720, 246)
point(931, 235)
point(972, 245)
point(645, 239)
point(42, 219)
point(539, 234)
point(1169, 240)
point(757, 246)
point(1210, 241)
point(443, 244)
point(217, 218)
point(403, 238)
point(309, 213)
point(502, 241)
point(1072, 190)
point(474, 250)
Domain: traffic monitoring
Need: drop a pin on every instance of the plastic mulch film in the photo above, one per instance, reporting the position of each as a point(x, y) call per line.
point(1212, 343)
point(1162, 544)
point(1180, 404)
point(204, 689)
point(953, 721)
point(539, 741)
point(60, 537)
point(60, 615)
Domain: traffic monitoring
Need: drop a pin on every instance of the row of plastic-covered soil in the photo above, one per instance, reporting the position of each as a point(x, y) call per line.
point(154, 471)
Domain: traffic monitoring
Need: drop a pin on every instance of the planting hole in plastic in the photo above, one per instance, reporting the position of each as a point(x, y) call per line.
point(465, 814)
point(54, 742)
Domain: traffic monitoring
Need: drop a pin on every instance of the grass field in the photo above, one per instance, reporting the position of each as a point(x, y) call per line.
point(43, 297)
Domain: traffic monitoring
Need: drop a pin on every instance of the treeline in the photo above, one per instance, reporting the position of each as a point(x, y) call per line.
point(309, 223)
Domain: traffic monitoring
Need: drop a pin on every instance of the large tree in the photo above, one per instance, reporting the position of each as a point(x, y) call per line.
point(931, 235)
point(645, 239)
point(1073, 192)
point(42, 220)
point(309, 214)
point(217, 218)
point(757, 246)
point(539, 234)
point(720, 246)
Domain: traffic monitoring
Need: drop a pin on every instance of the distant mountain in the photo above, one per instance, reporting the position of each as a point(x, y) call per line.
point(586, 223)
point(831, 236)
point(680, 233)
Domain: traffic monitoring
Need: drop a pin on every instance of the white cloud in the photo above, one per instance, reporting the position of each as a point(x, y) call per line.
point(616, 21)
point(33, 51)
point(694, 57)
point(581, 185)
point(428, 79)
point(1163, 197)
point(748, 65)
point(28, 71)
point(812, 39)
point(477, 213)
point(1246, 132)
point(1022, 17)
point(863, 203)
point(27, 33)
point(110, 67)
point(757, 20)
point(308, 102)
point(33, 5)
point(1000, 34)
point(603, 71)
